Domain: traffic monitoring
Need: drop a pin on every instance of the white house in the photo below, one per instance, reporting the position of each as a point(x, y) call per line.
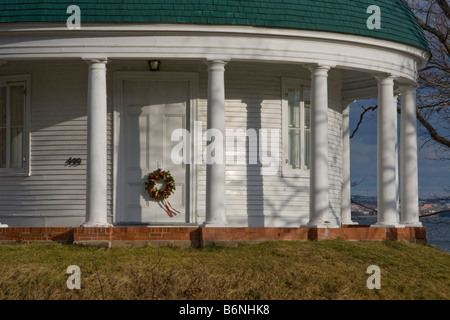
point(84, 120)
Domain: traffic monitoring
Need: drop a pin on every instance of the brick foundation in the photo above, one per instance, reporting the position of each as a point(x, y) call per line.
point(198, 237)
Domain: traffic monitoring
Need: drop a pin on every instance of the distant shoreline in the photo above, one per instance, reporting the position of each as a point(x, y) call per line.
point(444, 214)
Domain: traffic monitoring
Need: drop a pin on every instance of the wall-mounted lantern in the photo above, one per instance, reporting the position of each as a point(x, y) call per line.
point(154, 65)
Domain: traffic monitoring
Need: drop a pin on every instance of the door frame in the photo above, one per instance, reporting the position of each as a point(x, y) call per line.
point(118, 135)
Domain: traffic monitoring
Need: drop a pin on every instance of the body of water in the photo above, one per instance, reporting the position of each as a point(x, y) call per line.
point(438, 230)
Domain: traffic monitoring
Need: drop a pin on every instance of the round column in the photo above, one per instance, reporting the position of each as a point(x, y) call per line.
point(409, 186)
point(387, 187)
point(397, 182)
point(215, 168)
point(96, 197)
point(319, 197)
point(346, 208)
point(2, 62)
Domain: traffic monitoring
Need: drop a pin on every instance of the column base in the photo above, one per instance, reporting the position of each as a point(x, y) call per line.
point(207, 224)
point(387, 225)
point(96, 225)
point(349, 223)
point(412, 224)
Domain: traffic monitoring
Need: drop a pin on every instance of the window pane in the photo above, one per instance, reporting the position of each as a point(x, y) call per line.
point(16, 137)
point(2, 106)
point(2, 148)
point(294, 108)
point(307, 111)
point(307, 96)
point(17, 106)
point(16, 147)
point(307, 148)
point(294, 149)
point(307, 127)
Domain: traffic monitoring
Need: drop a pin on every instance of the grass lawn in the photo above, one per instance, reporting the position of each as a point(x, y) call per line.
point(275, 270)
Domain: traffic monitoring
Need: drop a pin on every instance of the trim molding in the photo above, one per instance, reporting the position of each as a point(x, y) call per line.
point(197, 42)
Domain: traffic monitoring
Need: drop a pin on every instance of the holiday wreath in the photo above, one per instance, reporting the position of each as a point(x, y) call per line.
point(163, 193)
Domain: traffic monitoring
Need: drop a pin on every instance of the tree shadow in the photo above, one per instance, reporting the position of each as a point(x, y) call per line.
point(254, 178)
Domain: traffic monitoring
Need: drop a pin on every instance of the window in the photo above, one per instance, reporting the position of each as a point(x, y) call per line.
point(296, 127)
point(14, 139)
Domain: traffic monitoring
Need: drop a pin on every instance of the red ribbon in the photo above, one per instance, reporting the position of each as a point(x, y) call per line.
point(170, 210)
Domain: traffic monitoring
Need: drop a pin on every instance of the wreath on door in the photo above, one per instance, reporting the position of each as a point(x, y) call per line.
point(162, 194)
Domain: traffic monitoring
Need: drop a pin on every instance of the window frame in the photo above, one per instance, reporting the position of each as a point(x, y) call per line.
point(289, 83)
point(25, 80)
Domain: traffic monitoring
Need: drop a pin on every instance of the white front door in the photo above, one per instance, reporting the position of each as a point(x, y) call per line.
point(151, 111)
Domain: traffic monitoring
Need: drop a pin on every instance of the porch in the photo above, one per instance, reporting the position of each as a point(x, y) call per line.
point(241, 88)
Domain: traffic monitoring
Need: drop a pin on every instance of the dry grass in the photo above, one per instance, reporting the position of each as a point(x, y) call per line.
point(280, 270)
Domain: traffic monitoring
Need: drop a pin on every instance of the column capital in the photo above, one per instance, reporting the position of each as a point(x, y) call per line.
point(385, 79)
point(319, 70)
point(404, 88)
point(396, 96)
point(92, 61)
point(216, 64)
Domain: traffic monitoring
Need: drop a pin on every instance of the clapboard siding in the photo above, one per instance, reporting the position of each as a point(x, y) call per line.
point(55, 194)
point(58, 131)
point(335, 145)
point(258, 107)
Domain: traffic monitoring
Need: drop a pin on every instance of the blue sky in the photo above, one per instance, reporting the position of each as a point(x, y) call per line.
point(434, 176)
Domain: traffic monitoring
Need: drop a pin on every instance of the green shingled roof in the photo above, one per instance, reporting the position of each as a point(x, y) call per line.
point(349, 16)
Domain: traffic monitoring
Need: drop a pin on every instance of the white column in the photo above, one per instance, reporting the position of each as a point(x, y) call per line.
point(346, 208)
point(409, 214)
point(319, 198)
point(397, 192)
point(386, 158)
point(2, 62)
point(96, 196)
point(215, 172)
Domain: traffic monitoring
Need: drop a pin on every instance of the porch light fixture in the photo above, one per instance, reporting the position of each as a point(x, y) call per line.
point(154, 65)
